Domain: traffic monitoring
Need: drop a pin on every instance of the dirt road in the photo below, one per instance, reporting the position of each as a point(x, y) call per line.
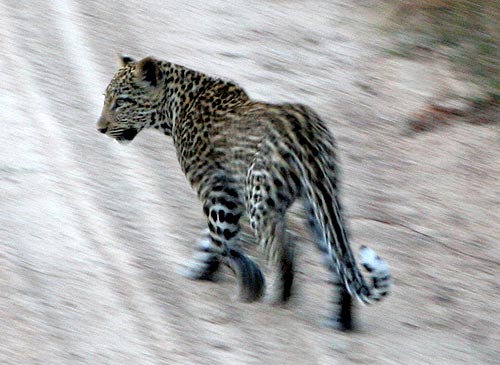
point(93, 235)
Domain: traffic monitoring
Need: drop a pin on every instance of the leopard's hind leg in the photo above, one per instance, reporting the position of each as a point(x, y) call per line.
point(342, 311)
point(268, 196)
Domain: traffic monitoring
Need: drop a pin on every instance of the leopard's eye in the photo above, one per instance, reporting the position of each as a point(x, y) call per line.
point(122, 101)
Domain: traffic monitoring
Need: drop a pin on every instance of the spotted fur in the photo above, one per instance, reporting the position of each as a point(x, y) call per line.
point(245, 157)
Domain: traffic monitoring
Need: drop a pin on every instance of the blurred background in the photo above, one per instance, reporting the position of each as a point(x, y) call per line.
point(93, 235)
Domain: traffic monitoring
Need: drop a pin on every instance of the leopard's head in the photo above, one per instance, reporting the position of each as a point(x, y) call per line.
point(132, 99)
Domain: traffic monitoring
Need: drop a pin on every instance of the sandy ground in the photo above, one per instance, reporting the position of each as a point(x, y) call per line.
point(93, 235)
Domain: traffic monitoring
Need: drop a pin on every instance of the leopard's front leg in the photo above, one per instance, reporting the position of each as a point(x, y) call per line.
point(206, 260)
point(223, 209)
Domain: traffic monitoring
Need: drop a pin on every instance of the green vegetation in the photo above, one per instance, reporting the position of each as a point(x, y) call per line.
point(467, 32)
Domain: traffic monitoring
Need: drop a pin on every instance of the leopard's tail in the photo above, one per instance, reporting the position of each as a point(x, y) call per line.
point(318, 177)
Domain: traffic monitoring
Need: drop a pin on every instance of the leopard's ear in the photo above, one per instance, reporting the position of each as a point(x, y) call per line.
point(124, 60)
point(148, 70)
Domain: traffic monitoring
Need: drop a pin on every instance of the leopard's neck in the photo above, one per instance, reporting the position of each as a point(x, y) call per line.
point(181, 88)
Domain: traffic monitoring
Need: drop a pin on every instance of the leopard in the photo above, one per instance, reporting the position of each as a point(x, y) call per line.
point(247, 159)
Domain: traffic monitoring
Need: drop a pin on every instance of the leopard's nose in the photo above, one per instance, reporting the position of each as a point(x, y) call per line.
point(103, 130)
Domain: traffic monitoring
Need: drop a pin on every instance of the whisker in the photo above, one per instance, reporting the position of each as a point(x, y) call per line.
point(116, 132)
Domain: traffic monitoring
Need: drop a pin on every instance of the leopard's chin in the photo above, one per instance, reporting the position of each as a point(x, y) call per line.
point(122, 141)
point(127, 136)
